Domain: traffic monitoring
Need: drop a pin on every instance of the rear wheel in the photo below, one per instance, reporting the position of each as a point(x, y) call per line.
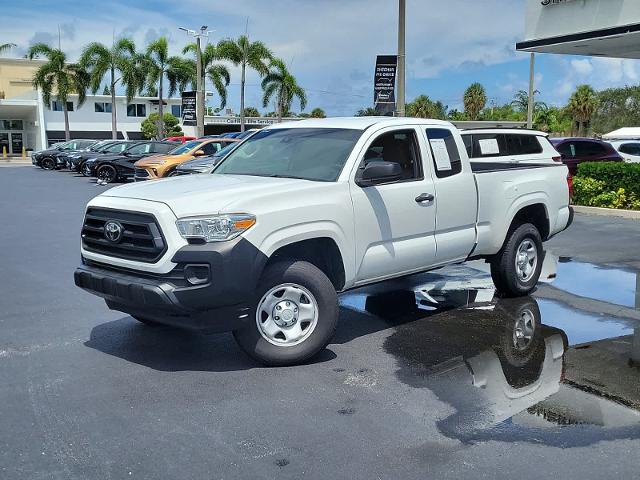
point(107, 174)
point(48, 163)
point(516, 268)
point(294, 316)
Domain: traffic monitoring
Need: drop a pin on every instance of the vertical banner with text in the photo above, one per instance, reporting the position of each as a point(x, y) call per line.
point(189, 108)
point(384, 84)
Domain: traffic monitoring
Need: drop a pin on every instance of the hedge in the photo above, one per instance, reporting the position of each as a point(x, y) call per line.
point(614, 175)
point(607, 184)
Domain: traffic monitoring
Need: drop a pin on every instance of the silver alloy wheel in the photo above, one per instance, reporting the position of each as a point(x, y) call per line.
point(524, 330)
point(287, 315)
point(526, 259)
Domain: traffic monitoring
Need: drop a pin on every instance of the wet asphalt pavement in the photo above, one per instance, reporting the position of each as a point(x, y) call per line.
point(465, 386)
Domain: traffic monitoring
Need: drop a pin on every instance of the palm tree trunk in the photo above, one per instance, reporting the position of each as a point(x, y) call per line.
point(242, 82)
point(114, 121)
point(67, 134)
point(160, 111)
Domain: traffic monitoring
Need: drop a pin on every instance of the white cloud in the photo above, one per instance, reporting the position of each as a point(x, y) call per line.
point(582, 67)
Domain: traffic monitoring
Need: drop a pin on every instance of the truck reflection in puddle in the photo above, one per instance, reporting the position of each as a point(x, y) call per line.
point(507, 371)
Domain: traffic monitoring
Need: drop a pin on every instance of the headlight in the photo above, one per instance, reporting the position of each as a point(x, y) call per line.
point(217, 228)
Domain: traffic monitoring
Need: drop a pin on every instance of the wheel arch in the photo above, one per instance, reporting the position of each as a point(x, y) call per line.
point(321, 251)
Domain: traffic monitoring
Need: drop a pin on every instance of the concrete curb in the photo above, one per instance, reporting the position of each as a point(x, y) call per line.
point(609, 212)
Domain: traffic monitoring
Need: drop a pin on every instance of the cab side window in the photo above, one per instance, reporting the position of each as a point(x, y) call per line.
point(445, 153)
point(489, 145)
point(398, 147)
point(630, 148)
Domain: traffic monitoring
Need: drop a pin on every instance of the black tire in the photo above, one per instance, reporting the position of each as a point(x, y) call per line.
point(107, 173)
point(48, 163)
point(146, 321)
point(521, 339)
point(306, 275)
point(503, 267)
point(85, 170)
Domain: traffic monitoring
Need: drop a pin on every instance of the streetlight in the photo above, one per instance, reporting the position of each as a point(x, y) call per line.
point(401, 57)
point(199, 77)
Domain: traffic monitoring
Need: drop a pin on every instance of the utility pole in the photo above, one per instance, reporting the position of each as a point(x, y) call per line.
point(401, 57)
point(200, 94)
point(532, 65)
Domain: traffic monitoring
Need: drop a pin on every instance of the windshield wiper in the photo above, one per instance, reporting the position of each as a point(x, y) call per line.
point(278, 175)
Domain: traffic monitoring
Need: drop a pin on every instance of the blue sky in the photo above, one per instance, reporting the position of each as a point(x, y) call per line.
point(330, 45)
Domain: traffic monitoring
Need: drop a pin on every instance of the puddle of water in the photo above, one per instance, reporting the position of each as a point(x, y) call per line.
point(581, 327)
point(620, 287)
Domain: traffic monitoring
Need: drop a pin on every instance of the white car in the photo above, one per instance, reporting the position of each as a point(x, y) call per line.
point(629, 150)
point(495, 146)
point(301, 211)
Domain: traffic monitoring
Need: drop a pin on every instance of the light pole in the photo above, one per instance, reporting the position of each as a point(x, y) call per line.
point(401, 57)
point(199, 77)
point(532, 91)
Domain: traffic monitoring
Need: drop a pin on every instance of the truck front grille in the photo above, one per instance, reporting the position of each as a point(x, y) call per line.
point(140, 236)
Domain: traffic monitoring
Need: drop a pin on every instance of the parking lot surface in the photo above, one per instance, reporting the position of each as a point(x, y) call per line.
point(465, 386)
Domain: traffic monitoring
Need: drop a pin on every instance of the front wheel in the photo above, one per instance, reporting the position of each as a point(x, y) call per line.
point(86, 170)
point(516, 268)
point(294, 315)
point(107, 174)
point(48, 163)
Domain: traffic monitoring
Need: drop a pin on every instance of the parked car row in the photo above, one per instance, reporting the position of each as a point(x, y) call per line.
point(121, 160)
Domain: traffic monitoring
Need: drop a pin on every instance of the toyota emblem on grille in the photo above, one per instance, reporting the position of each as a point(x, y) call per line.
point(113, 231)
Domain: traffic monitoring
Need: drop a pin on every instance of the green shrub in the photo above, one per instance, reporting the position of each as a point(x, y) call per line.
point(614, 175)
point(586, 189)
point(593, 193)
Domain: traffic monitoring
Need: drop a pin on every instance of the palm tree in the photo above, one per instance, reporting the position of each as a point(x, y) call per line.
point(582, 105)
point(60, 77)
point(280, 83)
point(422, 107)
point(367, 112)
point(159, 65)
point(121, 58)
point(6, 46)
point(251, 112)
point(218, 74)
point(521, 102)
point(244, 53)
point(475, 99)
point(318, 113)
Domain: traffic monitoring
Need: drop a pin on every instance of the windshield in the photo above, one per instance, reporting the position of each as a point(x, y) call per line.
point(115, 148)
point(139, 148)
point(97, 146)
point(306, 153)
point(185, 147)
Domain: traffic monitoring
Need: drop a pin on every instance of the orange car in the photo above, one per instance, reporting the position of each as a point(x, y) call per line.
point(159, 166)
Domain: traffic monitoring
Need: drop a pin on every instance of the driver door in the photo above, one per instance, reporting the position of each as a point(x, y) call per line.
point(394, 220)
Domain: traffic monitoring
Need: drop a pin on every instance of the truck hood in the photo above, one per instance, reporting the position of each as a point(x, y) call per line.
point(206, 193)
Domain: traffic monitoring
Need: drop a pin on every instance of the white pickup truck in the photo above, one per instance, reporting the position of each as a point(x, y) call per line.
point(301, 211)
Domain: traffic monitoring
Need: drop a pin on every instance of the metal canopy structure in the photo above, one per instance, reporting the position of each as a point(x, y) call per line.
point(602, 28)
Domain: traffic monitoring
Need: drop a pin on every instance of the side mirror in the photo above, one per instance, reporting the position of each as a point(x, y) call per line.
point(379, 171)
point(198, 153)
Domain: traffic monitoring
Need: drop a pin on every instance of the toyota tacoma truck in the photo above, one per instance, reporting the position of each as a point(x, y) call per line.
point(300, 212)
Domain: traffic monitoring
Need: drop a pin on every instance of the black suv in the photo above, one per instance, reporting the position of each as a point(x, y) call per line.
point(48, 159)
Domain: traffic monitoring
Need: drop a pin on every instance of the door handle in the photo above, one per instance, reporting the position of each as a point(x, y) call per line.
point(425, 197)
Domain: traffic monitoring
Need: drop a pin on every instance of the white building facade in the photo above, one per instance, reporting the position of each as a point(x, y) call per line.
point(27, 123)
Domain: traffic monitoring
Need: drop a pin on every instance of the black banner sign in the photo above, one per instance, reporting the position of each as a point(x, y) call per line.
point(189, 108)
point(384, 84)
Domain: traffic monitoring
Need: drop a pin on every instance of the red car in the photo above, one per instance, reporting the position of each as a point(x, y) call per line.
point(577, 150)
point(181, 139)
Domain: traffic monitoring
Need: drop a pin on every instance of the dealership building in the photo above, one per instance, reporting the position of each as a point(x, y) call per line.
point(25, 121)
point(602, 28)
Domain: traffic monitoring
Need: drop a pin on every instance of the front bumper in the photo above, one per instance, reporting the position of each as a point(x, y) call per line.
point(220, 304)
